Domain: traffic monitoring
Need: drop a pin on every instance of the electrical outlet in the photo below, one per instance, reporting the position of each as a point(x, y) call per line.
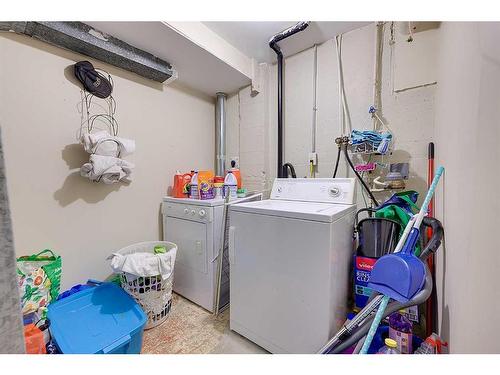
point(236, 159)
point(313, 157)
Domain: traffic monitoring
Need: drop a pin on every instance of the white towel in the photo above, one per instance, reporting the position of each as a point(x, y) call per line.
point(144, 264)
point(102, 143)
point(107, 169)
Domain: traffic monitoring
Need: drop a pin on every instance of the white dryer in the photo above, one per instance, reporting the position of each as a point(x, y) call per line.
point(290, 259)
point(195, 226)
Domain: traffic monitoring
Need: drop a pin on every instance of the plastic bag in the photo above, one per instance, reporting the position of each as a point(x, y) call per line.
point(39, 279)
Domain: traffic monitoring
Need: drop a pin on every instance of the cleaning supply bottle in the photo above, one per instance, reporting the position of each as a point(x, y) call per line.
point(400, 330)
point(193, 186)
point(219, 186)
point(236, 173)
point(432, 345)
point(389, 348)
point(181, 181)
point(230, 185)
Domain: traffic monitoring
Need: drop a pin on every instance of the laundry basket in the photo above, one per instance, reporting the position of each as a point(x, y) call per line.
point(153, 293)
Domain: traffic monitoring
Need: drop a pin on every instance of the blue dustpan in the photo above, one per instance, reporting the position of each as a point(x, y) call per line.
point(400, 275)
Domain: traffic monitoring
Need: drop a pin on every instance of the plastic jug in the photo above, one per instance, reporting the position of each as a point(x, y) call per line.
point(389, 348)
point(193, 188)
point(236, 173)
point(230, 185)
point(181, 182)
point(432, 345)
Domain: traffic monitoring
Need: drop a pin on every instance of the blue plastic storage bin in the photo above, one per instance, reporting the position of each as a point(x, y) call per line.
point(104, 319)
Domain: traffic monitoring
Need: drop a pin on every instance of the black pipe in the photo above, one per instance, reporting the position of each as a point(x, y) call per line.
point(280, 114)
point(279, 55)
point(337, 162)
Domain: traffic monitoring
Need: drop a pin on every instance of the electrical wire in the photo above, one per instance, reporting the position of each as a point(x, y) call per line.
point(372, 197)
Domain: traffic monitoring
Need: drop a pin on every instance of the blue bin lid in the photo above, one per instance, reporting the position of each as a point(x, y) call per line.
point(92, 320)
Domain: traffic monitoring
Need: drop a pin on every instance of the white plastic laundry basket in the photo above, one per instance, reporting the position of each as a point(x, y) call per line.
point(153, 293)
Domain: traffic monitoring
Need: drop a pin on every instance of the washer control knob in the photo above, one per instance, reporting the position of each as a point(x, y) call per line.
point(193, 212)
point(334, 191)
point(202, 213)
point(186, 211)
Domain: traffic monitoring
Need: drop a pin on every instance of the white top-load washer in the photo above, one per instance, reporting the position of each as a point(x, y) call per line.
point(290, 259)
point(195, 226)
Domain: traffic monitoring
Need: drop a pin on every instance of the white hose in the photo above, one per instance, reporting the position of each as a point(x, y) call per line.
point(343, 113)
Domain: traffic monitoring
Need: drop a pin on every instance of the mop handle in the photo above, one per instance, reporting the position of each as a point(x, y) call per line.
point(403, 237)
point(428, 197)
point(375, 324)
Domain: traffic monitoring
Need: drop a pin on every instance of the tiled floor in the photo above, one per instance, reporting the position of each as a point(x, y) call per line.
point(191, 329)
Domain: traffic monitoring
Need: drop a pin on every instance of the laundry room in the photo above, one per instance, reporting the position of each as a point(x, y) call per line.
point(249, 186)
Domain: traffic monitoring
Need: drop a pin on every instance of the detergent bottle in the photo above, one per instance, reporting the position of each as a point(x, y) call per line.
point(389, 348)
point(230, 185)
point(206, 184)
point(181, 181)
point(236, 173)
point(400, 330)
point(193, 189)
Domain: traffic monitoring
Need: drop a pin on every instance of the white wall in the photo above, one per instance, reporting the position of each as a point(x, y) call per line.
point(467, 138)
point(409, 113)
point(52, 206)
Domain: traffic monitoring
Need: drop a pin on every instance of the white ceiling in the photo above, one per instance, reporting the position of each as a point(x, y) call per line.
point(252, 38)
point(201, 70)
point(196, 67)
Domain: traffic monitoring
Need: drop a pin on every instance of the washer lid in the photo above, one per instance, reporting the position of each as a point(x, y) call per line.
point(324, 212)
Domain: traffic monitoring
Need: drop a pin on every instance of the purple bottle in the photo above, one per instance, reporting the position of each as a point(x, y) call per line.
point(400, 330)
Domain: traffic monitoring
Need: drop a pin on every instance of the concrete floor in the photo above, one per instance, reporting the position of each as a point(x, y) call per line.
point(191, 329)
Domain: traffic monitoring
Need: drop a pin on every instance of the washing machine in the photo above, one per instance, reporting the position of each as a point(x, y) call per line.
point(290, 259)
point(195, 226)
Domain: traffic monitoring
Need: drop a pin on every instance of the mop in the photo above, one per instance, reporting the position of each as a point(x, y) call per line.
point(400, 275)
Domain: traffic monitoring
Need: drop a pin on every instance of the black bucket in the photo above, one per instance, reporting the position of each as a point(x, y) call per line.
point(377, 236)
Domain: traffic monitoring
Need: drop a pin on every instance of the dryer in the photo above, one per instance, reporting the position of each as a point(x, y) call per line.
point(195, 226)
point(290, 260)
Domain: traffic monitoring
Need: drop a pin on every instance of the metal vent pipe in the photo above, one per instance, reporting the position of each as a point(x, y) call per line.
point(220, 134)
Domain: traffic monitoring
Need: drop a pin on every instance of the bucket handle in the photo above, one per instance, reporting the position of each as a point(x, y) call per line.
point(369, 210)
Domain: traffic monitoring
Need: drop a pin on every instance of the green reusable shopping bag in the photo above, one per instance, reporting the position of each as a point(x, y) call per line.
point(39, 278)
point(396, 213)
